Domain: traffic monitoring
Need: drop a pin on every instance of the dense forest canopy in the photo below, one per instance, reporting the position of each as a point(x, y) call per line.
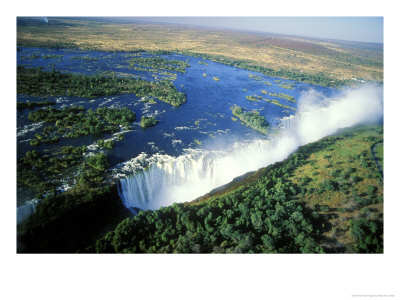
point(274, 213)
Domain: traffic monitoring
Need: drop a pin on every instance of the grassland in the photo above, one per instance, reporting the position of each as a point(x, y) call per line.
point(286, 55)
point(357, 189)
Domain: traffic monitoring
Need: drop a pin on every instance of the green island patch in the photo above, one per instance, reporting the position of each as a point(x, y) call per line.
point(251, 119)
point(35, 81)
point(148, 122)
point(157, 63)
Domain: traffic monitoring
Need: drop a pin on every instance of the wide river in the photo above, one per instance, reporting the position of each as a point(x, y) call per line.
point(203, 122)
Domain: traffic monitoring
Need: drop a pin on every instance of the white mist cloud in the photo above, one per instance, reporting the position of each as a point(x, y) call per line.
point(195, 173)
point(319, 116)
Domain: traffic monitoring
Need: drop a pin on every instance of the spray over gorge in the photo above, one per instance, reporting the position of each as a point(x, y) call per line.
point(168, 179)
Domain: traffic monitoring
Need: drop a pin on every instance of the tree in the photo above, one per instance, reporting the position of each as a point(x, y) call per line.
point(148, 121)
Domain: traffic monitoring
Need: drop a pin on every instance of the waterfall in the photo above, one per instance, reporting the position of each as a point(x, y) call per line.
point(148, 189)
point(166, 180)
point(289, 123)
point(24, 211)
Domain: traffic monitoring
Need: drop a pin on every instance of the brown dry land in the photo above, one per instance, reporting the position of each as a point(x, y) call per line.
point(337, 59)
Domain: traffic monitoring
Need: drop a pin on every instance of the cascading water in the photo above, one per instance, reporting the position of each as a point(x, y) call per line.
point(148, 189)
point(168, 180)
point(24, 211)
point(289, 123)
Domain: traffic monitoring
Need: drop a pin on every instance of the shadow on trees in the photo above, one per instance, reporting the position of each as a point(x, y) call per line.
point(74, 229)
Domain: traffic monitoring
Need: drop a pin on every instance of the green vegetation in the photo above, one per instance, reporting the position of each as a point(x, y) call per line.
point(87, 196)
point(105, 144)
point(31, 56)
point(85, 57)
point(120, 136)
point(74, 121)
point(197, 142)
point(34, 142)
point(165, 76)
point(378, 152)
point(326, 197)
point(342, 182)
point(67, 222)
point(280, 95)
point(270, 211)
point(45, 138)
point(53, 207)
point(253, 98)
point(160, 63)
point(36, 170)
point(34, 81)
point(98, 161)
point(366, 234)
point(148, 122)
point(277, 103)
point(251, 119)
point(30, 105)
point(255, 77)
point(53, 56)
point(249, 220)
point(319, 78)
point(43, 56)
point(148, 100)
point(287, 86)
point(162, 90)
point(203, 63)
point(257, 98)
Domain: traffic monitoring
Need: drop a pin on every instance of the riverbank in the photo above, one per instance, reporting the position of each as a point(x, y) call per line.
point(284, 55)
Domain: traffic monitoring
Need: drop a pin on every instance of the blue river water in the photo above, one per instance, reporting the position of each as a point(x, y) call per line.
point(204, 121)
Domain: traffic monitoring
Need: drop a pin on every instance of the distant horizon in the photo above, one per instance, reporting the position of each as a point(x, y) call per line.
point(351, 29)
point(347, 29)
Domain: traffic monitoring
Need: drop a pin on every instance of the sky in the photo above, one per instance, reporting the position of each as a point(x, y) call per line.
point(360, 29)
